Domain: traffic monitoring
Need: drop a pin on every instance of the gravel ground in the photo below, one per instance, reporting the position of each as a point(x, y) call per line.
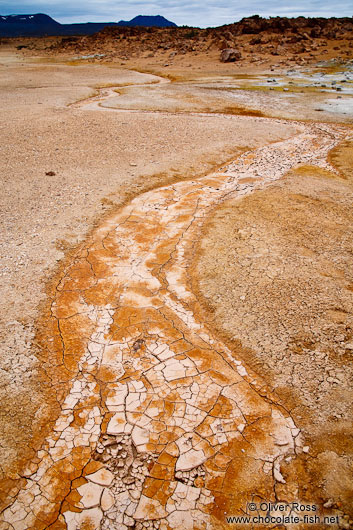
point(62, 168)
point(276, 278)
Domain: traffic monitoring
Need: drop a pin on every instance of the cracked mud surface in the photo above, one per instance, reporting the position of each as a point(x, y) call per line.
point(157, 423)
point(100, 160)
point(276, 275)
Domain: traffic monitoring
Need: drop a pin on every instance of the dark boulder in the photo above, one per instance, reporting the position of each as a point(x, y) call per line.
point(230, 55)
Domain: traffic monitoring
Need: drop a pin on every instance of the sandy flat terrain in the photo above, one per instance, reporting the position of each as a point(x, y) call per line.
point(73, 153)
point(99, 160)
point(275, 276)
point(288, 93)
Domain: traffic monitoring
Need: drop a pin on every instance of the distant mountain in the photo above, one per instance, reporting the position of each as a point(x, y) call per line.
point(39, 18)
point(148, 21)
point(15, 25)
point(39, 25)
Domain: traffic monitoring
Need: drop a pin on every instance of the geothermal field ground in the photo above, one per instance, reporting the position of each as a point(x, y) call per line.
point(176, 286)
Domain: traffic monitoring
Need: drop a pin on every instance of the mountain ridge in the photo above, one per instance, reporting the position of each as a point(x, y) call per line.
point(156, 21)
point(37, 18)
point(40, 24)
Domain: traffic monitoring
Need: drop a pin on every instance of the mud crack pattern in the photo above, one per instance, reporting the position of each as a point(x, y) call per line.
point(161, 425)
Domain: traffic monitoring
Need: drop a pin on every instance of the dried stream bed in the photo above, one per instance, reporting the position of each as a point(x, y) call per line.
point(160, 424)
point(301, 92)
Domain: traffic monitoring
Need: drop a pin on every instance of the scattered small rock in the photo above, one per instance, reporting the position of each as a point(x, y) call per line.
point(137, 345)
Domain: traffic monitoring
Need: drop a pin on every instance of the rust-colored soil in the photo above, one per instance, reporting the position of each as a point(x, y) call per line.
point(100, 161)
point(342, 158)
point(275, 273)
point(176, 299)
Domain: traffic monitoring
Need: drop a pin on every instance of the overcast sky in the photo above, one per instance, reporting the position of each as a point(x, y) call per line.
point(201, 13)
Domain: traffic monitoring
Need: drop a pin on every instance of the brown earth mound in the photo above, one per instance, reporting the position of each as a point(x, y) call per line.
point(254, 37)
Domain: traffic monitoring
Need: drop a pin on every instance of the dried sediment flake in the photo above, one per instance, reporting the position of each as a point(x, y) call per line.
point(161, 422)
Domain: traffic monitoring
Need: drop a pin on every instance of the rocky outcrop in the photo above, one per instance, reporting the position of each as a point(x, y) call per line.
point(230, 55)
point(253, 35)
point(315, 27)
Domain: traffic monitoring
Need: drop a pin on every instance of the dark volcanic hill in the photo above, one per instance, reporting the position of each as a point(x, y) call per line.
point(39, 25)
point(148, 22)
point(38, 19)
point(18, 25)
